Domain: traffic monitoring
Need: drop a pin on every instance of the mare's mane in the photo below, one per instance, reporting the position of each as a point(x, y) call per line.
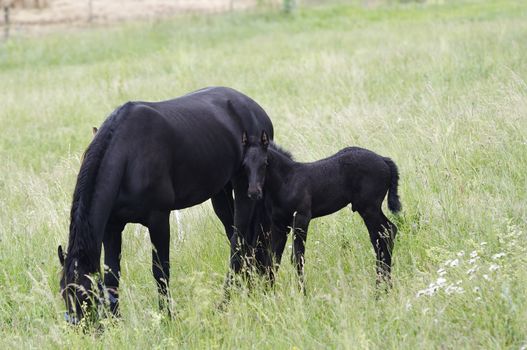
point(81, 243)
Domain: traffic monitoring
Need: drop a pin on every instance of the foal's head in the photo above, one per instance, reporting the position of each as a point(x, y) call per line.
point(82, 293)
point(255, 163)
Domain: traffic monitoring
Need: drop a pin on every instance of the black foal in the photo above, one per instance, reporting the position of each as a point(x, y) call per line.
point(298, 192)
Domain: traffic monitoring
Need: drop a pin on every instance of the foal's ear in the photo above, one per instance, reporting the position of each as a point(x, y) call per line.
point(94, 130)
point(264, 139)
point(244, 139)
point(61, 255)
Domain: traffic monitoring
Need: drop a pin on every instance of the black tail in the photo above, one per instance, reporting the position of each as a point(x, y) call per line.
point(394, 204)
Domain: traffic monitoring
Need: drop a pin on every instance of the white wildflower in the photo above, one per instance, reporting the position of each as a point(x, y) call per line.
point(483, 244)
point(451, 289)
point(474, 254)
point(494, 267)
point(441, 272)
point(477, 299)
point(476, 289)
point(472, 270)
point(431, 290)
point(486, 277)
point(461, 253)
point(440, 281)
point(447, 263)
point(498, 256)
point(472, 261)
point(454, 263)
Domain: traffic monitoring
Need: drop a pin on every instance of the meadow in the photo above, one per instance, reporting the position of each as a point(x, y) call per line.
point(440, 88)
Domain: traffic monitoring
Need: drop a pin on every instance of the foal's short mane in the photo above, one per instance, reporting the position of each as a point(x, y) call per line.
point(281, 150)
point(81, 243)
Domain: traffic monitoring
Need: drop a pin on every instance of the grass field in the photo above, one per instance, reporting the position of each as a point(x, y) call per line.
point(440, 88)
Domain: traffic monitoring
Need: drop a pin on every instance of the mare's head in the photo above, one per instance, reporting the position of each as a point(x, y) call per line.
point(255, 163)
point(82, 293)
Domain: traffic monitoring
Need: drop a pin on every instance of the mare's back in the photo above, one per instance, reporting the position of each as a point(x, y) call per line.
point(210, 106)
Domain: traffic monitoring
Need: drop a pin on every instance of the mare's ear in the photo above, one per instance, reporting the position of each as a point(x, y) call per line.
point(244, 139)
point(61, 255)
point(264, 139)
point(94, 130)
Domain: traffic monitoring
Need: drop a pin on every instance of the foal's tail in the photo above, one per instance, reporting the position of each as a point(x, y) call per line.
point(394, 204)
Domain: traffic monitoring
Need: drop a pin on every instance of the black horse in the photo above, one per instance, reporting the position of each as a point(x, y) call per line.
point(298, 192)
point(147, 159)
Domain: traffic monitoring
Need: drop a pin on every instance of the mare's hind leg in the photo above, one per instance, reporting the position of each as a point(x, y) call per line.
point(112, 261)
point(223, 205)
point(382, 235)
point(159, 228)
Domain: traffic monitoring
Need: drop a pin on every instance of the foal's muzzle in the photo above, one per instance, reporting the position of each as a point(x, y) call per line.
point(255, 194)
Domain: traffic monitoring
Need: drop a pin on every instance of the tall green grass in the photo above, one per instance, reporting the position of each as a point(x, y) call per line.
point(441, 89)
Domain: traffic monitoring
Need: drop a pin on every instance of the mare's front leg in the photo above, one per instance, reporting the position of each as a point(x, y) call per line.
point(243, 235)
point(112, 261)
point(300, 226)
point(159, 228)
point(223, 205)
point(243, 211)
point(382, 235)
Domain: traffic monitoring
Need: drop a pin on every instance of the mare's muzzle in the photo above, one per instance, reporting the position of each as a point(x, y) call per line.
point(72, 320)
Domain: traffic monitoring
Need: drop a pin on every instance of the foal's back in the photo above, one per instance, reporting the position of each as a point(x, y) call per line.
point(353, 175)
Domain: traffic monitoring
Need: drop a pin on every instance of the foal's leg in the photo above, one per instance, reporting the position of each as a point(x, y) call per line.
point(112, 261)
point(159, 228)
point(299, 247)
point(382, 234)
point(278, 241)
point(223, 205)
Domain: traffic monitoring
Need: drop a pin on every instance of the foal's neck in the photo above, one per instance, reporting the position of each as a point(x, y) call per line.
point(280, 171)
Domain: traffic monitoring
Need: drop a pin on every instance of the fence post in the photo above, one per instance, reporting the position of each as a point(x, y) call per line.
point(90, 11)
point(6, 21)
point(289, 6)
